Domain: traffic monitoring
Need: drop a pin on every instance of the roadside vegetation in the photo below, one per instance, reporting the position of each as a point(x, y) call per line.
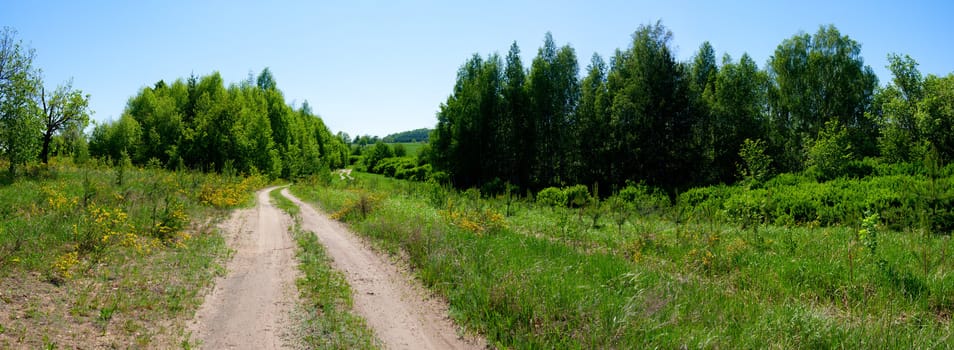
point(95, 250)
point(567, 270)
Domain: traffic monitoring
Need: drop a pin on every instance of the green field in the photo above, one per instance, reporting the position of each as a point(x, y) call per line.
point(669, 277)
point(412, 148)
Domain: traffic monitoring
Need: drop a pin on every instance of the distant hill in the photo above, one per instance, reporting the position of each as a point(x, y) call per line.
point(418, 135)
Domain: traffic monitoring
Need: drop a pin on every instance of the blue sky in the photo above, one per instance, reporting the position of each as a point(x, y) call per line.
point(377, 67)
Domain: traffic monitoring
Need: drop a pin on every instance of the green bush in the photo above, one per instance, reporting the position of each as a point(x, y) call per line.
point(552, 196)
point(390, 166)
point(576, 195)
point(418, 173)
point(746, 208)
point(830, 154)
point(642, 195)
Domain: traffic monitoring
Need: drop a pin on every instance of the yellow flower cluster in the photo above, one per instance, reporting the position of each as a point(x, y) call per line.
point(63, 266)
point(705, 257)
point(361, 205)
point(172, 219)
point(476, 221)
point(636, 249)
point(58, 201)
point(226, 194)
point(110, 223)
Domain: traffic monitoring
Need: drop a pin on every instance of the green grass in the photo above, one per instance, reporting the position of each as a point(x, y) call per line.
point(329, 323)
point(128, 260)
point(543, 278)
point(412, 148)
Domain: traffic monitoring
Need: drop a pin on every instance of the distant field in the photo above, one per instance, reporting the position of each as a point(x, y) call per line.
point(412, 148)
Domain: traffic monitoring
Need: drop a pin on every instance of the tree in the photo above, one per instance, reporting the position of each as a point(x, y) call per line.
point(468, 124)
point(554, 93)
point(817, 79)
point(516, 105)
point(64, 108)
point(651, 118)
point(703, 73)
point(203, 124)
point(895, 106)
point(19, 118)
point(265, 80)
point(935, 115)
point(380, 152)
point(755, 167)
point(737, 112)
point(591, 121)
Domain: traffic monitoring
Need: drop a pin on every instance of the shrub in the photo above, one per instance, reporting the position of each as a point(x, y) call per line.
point(830, 154)
point(493, 187)
point(746, 208)
point(756, 165)
point(576, 196)
point(552, 196)
point(644, 198)
point(391, 166)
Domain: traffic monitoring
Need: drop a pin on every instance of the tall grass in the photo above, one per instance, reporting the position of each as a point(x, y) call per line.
point(547, 278)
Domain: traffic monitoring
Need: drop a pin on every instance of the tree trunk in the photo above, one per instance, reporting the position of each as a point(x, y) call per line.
point(45, 152)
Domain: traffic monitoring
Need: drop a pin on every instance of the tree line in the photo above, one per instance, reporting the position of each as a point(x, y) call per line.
point(646, 117)
point(36, 122)
point(199, 123)
point(196, 123)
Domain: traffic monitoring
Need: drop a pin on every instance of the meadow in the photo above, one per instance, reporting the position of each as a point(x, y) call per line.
point(636, 271)
point(109, 256)
point(411, 149)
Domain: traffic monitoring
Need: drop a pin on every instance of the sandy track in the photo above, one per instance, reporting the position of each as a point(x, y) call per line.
point(395, 305)
point(250, 307)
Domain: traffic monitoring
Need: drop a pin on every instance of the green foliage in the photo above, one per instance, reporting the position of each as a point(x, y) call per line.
point(830, 155)
point(390, 167)
point(756, 166)
point(649, 118)
point(817, 79)
point(411, 136)
point(379, 152)
point(746, 209)
point(935, 115)
point(552, 196)
point(868, 234)
point(644, 200)
point(66, 108)
point(19, 114)
point(398, 150)
point(205, 125)
point(576, 196)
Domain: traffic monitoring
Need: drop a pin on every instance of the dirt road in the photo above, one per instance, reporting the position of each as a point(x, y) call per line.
point(395, 305)
point(249, 307)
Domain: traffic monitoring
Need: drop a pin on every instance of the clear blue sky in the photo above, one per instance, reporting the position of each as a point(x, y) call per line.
point(377, 67)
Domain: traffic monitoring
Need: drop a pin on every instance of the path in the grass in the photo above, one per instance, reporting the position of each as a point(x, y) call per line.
point(250, 307)
point(394, 304)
